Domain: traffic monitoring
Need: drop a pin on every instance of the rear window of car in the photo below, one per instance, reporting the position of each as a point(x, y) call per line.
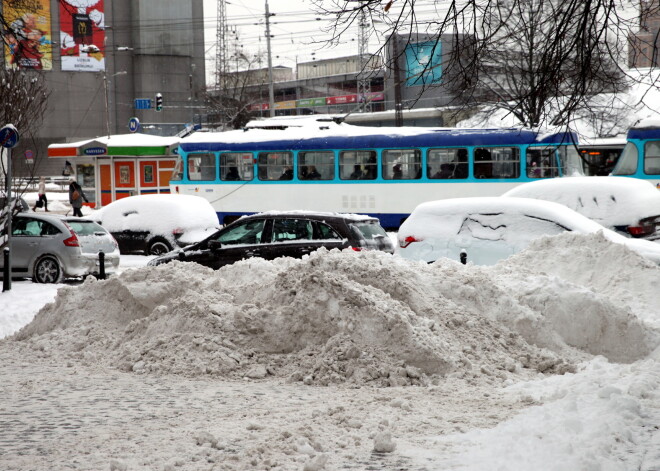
point(85, 228)
point(369, 229)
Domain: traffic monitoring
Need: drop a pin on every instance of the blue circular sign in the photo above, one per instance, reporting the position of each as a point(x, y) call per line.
point(134, 125)
point(8, 136)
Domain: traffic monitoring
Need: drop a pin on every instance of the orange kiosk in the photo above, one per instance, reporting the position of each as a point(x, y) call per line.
point(110, 168)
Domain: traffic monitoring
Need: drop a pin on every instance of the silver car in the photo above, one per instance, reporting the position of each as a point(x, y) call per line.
point(48, 248)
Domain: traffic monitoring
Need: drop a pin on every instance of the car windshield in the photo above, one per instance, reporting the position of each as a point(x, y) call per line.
point(84, 228)
point(369, 229)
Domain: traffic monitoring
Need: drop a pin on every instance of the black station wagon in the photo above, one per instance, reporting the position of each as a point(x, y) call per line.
point(283, 234)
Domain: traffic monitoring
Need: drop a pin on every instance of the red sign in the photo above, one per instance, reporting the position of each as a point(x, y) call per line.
point(341, 100)
point(259, 107)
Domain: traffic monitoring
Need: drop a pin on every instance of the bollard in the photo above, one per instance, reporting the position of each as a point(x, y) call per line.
point(6, 271)
point(463, 257)
point(101, 265)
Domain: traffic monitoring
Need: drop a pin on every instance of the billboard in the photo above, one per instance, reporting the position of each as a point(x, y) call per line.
point(82, 35)
point(423, 63)
point(28, 41)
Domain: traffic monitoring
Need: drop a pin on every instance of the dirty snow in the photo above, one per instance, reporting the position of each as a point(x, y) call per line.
point(343, 360)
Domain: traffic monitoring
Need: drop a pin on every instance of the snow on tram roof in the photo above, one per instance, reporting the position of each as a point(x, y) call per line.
point(324, 133)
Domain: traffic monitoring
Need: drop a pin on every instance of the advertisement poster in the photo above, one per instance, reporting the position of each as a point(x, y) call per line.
point(82, 35)
point(423, 63)
point(28, 42)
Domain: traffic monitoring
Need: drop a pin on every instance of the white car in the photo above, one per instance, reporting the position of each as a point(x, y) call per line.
point(156, 224)
point(627, 205)
point(489, 229)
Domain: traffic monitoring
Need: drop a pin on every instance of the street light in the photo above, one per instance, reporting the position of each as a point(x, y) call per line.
point(107, 99)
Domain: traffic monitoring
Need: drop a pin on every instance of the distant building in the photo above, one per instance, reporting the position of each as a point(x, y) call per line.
point(643, 46)
point(416, 79)
point(104, 61)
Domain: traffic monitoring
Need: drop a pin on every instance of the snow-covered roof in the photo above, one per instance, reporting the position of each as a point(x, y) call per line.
point(611, 201)
point(124, 140)
point(157, 213)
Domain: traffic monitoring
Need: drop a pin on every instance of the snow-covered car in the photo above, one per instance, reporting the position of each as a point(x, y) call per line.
point(489, 229)
point(48, 248)
point(156, 224)
point(627, 205)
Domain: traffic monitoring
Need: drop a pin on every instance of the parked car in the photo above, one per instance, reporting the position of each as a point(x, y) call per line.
point(489, 229)
point(156, 224)
point(48, 248)
point(283, 234)
point(629, 206)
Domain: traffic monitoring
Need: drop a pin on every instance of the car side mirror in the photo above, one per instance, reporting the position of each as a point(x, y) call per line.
point(215, 245)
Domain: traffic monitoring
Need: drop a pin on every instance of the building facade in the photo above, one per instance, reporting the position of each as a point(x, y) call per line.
point(104, 61)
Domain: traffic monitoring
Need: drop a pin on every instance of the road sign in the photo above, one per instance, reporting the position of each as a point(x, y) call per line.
point(8, 136)
point(134, 125)
point(29, 157)
point(143, 103)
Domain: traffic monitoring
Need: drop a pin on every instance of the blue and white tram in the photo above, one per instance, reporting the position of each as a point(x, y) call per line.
point(383, 172)
point(640, 157)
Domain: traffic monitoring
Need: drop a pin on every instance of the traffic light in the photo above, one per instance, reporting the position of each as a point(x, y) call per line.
point(159, 102)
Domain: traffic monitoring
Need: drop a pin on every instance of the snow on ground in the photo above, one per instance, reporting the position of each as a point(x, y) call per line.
point(342, 360)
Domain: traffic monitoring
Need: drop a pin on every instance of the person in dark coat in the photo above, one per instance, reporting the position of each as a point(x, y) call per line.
point(313, 174)
point(76, 197)
point(232, 174)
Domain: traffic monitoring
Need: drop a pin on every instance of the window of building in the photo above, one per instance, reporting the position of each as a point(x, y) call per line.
point(236, 166)
point(358, 165)
point(447, 163)
point(275, 166)
point(497, 162)
point(316, 165)
point(201, 167)
point(402, 164)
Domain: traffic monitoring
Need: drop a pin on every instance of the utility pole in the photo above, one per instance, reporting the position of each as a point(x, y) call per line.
point(364, 80)
point(398, 112)
point(271, 95)
point(221, 47)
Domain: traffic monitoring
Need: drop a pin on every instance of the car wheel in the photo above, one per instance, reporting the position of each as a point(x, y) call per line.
point(159, 247)
point(47, 270)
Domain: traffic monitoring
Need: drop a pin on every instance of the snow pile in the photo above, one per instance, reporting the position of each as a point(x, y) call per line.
point(342, 317)
point(612, 271)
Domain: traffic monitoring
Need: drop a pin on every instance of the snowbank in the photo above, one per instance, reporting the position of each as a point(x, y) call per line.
point(342, 317)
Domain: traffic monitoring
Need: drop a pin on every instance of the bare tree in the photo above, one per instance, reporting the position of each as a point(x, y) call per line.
point(541, 60)
point(23, 102)
point(240, 82)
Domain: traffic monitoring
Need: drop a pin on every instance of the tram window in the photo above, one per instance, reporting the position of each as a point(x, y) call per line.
point(542, 162)
point(447, 163)
point(236, 166)
point(177, 173)
point(275, 166)
point(316, 165)
point(201, 167)
point(652, 157)
point(358, 165)
point(627, 164)
point(497, 162)
point(402, 164)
